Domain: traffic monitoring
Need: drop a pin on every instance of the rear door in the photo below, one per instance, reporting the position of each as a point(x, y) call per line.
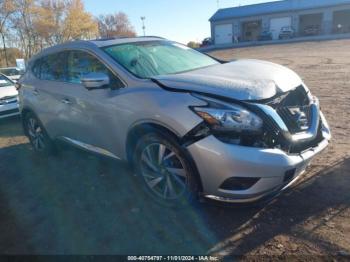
point(45, 91)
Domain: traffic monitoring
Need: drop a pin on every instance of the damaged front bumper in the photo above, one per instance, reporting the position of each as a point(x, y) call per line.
point(235, 173)
point(274, 169)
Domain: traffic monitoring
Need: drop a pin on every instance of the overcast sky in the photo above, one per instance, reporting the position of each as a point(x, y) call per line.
point(179, 20)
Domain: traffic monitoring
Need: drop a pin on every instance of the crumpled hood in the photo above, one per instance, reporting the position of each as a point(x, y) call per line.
point(242, 80)
point(8, 91)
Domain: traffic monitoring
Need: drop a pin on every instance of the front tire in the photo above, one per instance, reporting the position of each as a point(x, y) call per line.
point(38, 138)
point(165, 170)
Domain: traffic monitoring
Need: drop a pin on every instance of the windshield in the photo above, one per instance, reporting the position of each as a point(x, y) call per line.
point(153, 58)
point(5, 81)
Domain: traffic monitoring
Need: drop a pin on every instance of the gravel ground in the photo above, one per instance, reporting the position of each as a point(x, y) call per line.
point(77, 203)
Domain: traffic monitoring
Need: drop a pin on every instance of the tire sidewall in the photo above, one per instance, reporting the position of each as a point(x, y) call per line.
point(190, 196)
point(49, 145)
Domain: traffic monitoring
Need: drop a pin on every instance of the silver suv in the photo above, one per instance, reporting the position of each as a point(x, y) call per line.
point(190, 125)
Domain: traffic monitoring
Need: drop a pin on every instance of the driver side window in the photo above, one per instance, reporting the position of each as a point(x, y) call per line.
point(81, 63)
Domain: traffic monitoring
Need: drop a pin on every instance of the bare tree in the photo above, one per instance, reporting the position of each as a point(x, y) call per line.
point(49, 21)
point(117, 24)
point(23, 24)
point(31, 25)
point(7, 8)
point(43, 23)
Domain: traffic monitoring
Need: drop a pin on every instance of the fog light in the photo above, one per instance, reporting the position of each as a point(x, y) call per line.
point(239, 183)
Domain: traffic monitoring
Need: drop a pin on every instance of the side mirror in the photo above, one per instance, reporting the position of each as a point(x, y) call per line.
point(95, 81)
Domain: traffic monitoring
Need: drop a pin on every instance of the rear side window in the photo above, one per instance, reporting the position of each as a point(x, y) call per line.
point(51, 67)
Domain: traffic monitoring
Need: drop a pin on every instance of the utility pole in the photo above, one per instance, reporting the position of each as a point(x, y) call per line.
point(143, 18)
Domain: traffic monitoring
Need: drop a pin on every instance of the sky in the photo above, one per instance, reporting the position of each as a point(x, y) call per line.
point(178, 20)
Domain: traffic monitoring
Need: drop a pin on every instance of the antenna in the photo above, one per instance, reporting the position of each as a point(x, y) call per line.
point(143, 18)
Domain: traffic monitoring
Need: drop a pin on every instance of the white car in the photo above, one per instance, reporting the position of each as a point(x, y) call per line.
point(8, 97)
point(13, 73)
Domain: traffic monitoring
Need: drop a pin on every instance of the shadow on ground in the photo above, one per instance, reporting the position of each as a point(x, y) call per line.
point(77, 203)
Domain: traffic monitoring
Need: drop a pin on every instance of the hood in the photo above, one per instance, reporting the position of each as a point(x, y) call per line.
point(8, 91)
point(241, 80)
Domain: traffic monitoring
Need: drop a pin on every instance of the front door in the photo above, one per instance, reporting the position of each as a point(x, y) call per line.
point(88, 114)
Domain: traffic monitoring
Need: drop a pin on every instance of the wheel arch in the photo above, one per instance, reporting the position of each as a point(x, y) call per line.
point(136, 132)
point(24, 112)
point(144, 128)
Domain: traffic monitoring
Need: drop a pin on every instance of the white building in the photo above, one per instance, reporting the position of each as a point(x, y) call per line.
point(246, 23)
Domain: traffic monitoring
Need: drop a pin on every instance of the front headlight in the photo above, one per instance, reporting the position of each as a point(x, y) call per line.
point(229, 118)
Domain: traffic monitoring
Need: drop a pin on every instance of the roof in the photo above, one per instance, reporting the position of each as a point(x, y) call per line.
point(93, 44)
point(273, 7)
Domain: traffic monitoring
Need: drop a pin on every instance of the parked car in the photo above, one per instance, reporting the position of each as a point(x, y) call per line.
point(190, 125)
point(12, 72)
point(286, 32)
point(265, 36)
point(8, 97)
point(207, 42)
point(341, 29)
point(312, 30)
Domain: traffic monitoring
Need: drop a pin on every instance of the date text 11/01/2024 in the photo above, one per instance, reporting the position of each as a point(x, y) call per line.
point(172, 258)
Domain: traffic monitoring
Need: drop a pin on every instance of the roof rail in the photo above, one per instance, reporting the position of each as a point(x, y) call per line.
point(123, 37)
point(153, 36)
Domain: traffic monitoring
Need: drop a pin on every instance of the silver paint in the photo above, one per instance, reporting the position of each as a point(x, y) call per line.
point(100, 120)
point(241, 80)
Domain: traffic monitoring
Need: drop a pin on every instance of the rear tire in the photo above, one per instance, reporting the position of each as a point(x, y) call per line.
point(165, 170)
point(37, 135)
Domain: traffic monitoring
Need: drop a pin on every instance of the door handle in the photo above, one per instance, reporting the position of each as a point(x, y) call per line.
point(66, 101)
point(35, 92)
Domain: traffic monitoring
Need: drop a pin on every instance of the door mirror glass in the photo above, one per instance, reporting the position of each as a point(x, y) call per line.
point(95, 80)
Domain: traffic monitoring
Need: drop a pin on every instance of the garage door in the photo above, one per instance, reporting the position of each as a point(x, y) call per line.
point(223, 34)
point(277, 23)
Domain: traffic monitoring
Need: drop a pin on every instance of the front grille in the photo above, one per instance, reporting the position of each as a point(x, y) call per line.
point(294, 109)
point(297, 119)
point(8, 100)
point(296, 97)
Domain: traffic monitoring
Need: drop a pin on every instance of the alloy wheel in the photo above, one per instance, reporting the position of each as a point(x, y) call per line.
point(163, 171)
point(36, 134)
